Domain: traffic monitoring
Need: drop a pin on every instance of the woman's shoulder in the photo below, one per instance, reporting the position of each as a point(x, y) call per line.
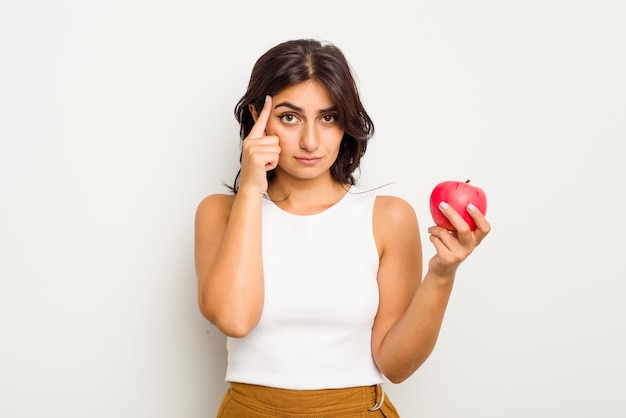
point(216, 205)
point(395, 224)
point(218, 199)
point(394, 216)
point(394, 206)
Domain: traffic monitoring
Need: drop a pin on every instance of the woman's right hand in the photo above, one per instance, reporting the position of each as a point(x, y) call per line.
point(260, 153)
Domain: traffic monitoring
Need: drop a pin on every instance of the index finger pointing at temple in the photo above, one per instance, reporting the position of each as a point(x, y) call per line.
point(258, 130)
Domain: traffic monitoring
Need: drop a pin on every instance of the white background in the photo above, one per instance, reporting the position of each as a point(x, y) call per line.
point(116, 119)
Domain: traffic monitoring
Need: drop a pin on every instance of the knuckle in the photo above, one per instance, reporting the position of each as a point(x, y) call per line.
point(463, 229)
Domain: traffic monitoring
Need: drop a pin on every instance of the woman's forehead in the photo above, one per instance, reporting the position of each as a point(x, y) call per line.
point(306, 95)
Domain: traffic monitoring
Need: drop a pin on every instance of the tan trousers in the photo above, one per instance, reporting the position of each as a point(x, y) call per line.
point(252, 401)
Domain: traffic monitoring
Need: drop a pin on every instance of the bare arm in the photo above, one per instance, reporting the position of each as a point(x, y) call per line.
point(411, 310)
point(228, 256)
point(228, 262)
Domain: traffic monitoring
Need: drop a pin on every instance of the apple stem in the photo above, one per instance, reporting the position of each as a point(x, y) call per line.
point(467, 181)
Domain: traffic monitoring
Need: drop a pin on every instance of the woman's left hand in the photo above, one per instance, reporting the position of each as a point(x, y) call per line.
point(453, 247)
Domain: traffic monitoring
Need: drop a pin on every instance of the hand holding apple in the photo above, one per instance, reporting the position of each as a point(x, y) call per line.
point(457, 194)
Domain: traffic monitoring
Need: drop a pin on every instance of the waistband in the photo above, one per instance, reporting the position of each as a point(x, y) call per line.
point(323, 403)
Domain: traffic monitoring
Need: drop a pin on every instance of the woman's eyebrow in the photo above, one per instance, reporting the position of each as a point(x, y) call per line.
point(301, 110)
point(290, 106)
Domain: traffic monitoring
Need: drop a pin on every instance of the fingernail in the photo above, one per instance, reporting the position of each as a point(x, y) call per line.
point(443, 205)
point(471, 207)
point(267, 96)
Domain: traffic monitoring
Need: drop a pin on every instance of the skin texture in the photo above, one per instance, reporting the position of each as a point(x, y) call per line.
point(297, 134)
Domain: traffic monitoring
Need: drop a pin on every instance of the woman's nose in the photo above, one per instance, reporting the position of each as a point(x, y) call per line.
point(309, 138)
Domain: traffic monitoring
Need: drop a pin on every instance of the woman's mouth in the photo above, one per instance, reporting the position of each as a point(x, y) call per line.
point(308, 160)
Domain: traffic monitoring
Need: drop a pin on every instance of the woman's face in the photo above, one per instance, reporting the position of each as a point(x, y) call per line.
point(305, 120)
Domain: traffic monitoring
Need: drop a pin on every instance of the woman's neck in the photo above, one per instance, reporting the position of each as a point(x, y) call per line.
point(306, 197)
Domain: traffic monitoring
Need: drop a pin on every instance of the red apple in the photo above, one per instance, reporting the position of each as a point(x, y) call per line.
point(457, 194)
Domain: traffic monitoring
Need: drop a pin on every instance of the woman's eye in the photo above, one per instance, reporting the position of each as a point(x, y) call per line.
point(288, 118)
point(329, 118)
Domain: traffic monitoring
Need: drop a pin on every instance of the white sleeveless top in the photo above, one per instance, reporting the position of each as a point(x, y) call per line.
point(321, 297)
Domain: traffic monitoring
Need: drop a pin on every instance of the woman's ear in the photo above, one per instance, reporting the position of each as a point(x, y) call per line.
point(255, 114)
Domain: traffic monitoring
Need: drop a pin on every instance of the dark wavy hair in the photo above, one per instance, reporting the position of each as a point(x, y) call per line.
point(295, 61)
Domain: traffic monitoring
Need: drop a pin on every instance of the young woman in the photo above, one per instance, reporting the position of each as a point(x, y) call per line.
point(317, 284)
